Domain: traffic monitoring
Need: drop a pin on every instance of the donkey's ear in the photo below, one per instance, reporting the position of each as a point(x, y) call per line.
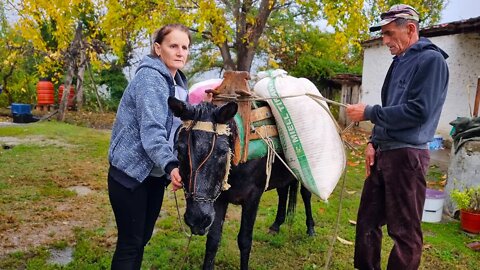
point(178, 107)
point(226, 112)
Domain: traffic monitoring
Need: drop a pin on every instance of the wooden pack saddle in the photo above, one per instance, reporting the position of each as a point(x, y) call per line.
point(254, 119)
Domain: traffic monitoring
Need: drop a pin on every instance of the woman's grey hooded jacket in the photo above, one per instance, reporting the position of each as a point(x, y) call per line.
point(143, 122)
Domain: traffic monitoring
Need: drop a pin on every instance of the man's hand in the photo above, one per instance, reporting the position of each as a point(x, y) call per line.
point(176, 179)
point(369, 158)
point(208, 97)
point(355, 112)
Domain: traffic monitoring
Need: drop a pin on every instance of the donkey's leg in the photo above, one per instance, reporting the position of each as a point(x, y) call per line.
point(244, 238)
point(215, 234)
point(307, 196)
point(282, 193)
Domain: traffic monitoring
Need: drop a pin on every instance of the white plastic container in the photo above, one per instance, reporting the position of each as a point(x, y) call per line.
point(433, 208)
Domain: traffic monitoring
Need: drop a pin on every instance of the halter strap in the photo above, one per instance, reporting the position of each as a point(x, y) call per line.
point(219, 129)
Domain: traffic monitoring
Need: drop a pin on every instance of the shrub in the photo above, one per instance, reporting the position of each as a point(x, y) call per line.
point(467, 199)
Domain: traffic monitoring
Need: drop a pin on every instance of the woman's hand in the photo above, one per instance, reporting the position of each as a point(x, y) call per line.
point(176, 179)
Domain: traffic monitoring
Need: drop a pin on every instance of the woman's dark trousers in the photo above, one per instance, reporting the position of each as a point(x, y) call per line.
point(135, 214)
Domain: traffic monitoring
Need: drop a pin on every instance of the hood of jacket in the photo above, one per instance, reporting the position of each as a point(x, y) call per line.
point(424, 44)
point(157, 64)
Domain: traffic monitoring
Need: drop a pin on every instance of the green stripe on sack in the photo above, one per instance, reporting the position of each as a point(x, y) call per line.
point(293, 137)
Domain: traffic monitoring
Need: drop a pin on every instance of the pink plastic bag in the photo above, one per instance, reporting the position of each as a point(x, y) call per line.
point(197, 91)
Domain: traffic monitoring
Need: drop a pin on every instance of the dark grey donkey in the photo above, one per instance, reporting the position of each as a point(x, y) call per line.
point(204, 145)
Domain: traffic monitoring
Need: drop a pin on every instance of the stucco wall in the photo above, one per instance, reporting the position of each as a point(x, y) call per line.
point(464, 65)
point(463, 172)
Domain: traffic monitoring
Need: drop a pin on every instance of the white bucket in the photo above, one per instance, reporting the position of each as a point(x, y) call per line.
point(433, 208)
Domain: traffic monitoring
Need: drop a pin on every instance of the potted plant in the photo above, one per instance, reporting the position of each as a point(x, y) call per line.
point(468, 201)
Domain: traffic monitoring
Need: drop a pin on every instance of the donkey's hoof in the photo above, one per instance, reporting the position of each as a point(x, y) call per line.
point(273, 230)
point(311, 232)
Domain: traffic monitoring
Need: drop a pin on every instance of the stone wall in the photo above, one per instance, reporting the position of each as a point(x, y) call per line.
point(463, 171)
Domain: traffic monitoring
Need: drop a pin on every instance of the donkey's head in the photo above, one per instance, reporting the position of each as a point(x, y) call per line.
point(204, 144)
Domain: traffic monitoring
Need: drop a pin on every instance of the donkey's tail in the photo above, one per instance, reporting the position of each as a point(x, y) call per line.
point(292, 200)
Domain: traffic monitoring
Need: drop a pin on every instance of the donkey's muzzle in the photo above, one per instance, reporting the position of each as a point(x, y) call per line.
point(199, 219)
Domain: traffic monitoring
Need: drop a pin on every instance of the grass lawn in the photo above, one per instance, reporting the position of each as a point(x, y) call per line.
point(41, 215)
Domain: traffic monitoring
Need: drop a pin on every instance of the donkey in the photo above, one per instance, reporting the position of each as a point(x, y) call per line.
point(204, 146)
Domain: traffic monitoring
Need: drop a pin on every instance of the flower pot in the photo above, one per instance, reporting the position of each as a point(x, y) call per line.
point(470, 221)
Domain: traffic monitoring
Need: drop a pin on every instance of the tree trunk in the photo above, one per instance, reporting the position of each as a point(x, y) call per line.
point(228, 63)
point(71, 62)
point(5, 82)
point(79, 94)
point(248, 35)
point(80, 77)
point(66, 92)
point(95, 88)
point(81, 74)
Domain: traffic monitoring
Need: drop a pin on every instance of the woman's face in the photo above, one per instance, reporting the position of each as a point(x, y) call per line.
point(174, 50)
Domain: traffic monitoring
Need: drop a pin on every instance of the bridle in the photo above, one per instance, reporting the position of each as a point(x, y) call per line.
point(217, 130)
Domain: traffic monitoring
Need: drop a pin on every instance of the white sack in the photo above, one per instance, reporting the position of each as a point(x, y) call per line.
point(310, 140)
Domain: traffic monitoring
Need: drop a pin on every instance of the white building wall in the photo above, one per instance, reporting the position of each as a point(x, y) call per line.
point(463, 63)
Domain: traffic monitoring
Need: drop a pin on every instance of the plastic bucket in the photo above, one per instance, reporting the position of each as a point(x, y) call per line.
point(19, 108)
point(433, 208)
point(436, 143)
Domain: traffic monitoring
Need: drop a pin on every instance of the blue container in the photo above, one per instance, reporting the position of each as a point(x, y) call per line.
point(19, 108)
point(437, 143)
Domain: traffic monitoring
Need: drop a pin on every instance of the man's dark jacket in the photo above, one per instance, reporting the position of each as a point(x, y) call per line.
point(412, 98)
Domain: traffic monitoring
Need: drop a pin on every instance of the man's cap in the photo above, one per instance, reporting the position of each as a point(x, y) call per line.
point(396, 12)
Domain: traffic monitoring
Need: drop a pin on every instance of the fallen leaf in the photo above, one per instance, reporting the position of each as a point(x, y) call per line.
point(353, 222)
point(343, 241)
point(350, 192)
point(321, 210)
point(353, 163)
point(474, 246)
point(427, 246)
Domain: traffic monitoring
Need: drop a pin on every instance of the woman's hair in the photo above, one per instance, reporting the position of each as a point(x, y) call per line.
point(161, 33)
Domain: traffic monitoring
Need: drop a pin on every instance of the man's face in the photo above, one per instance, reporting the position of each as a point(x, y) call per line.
point(397, 38)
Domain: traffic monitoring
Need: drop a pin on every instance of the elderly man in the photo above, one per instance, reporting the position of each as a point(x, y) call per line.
point(397, 155)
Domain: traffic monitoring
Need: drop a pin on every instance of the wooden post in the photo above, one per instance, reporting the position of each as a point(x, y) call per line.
point(477, 99)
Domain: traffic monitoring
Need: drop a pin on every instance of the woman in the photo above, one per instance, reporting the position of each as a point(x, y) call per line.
point(141, 156)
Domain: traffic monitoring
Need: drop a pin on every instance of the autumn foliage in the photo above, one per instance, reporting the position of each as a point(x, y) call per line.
point(69, 36)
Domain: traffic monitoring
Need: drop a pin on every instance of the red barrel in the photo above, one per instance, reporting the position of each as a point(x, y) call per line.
point(70, 96)
point(45, 92)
